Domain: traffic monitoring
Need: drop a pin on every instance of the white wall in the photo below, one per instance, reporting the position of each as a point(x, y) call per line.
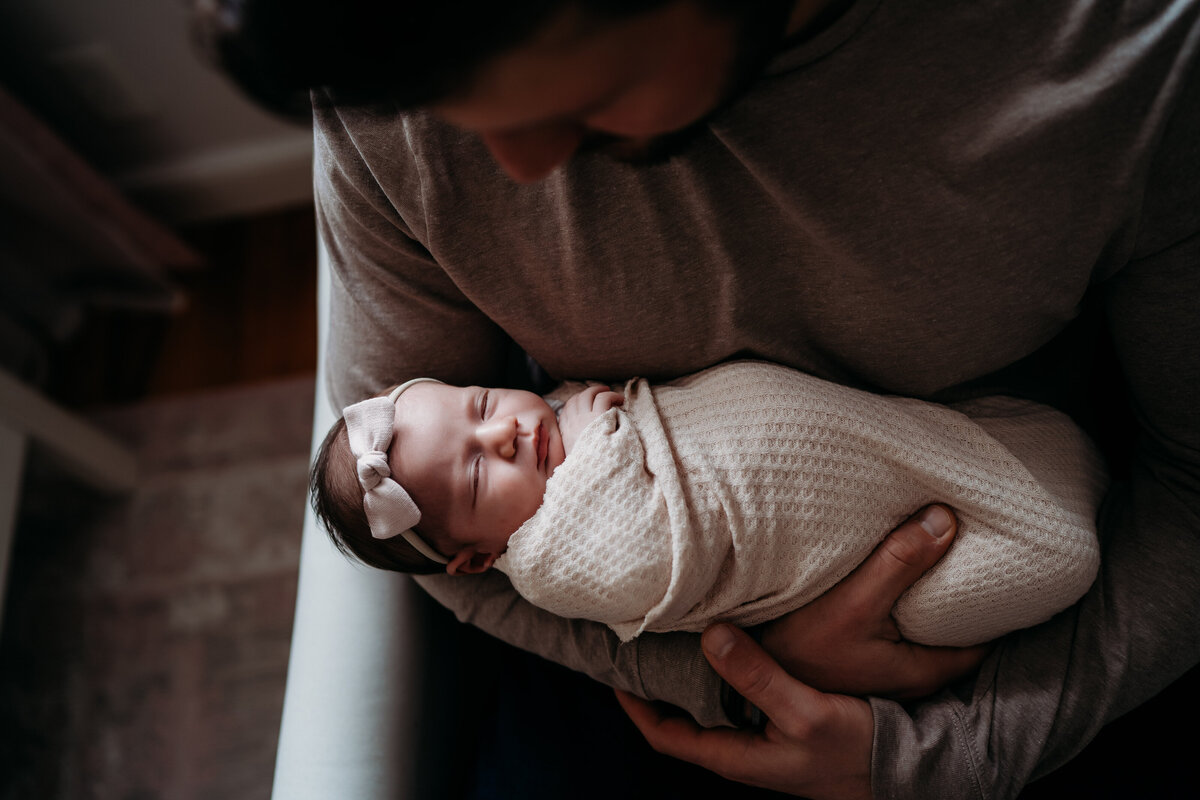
point(121, 81)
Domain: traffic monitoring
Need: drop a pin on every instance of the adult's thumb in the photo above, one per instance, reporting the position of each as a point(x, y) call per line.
point(903, 557)
point(748, 669)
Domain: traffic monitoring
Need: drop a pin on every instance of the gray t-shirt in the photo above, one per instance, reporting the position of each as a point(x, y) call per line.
point(920, 200)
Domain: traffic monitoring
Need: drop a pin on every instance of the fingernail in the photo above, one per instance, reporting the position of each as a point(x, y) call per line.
point(936, 521)
point(718, 640)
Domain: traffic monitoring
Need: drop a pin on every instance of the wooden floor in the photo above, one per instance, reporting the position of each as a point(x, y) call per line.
point(250, 315)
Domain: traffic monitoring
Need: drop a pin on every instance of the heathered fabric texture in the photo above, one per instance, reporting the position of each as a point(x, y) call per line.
point(919, 201)
point(749, 489)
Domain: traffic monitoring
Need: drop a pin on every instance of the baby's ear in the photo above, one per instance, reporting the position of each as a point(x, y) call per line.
point(469, 561)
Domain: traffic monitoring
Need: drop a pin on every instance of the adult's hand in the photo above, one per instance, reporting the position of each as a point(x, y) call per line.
point(814, 744)
point(846, 640)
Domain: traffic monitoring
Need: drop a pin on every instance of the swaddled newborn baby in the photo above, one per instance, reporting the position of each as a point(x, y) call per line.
point(738, 493)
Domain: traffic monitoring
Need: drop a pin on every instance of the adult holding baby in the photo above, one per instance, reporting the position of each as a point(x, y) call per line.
point(920, 198)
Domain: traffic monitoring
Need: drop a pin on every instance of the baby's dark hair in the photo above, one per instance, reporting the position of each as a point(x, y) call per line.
point(337, 499)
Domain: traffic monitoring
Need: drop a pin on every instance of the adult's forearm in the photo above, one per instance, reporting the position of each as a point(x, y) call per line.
point(667, 667)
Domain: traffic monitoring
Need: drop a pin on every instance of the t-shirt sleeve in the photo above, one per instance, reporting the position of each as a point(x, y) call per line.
point(1045, 692)
point(394, 313)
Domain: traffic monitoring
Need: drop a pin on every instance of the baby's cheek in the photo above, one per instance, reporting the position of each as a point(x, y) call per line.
point(523, 511)
point(556, 455)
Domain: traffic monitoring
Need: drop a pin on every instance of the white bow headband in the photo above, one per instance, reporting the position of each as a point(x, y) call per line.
point(390, 509)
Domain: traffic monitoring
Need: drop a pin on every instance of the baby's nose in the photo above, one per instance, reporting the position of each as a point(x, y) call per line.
point(499, 434)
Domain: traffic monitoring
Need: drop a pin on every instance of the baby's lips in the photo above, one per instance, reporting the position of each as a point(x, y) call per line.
point(541, 443)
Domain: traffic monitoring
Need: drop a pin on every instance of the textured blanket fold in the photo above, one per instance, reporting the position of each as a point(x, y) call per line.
point(747, 490)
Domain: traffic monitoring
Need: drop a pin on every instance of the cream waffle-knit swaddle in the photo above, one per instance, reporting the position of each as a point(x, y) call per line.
point(747, 490)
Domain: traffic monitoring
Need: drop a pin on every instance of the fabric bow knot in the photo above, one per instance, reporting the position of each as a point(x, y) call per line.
point(390, 509)
point(373, 468)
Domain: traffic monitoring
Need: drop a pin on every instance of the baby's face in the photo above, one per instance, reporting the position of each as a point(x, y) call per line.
point(475, 461)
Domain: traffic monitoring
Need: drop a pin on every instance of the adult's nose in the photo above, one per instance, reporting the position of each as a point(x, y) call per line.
point(530, 154)
point(499, 435)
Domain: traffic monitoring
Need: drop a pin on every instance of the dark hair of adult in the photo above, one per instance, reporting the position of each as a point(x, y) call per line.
point(337, 500)
point(396, 53)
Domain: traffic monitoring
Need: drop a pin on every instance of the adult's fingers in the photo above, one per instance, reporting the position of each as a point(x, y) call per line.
point(751, 672)
point(716, 749)
point(900, 560)
point(815, 745)
point(922, 670)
